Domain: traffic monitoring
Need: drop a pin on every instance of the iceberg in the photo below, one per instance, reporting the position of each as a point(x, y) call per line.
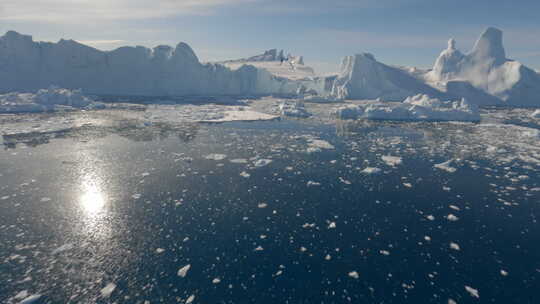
point(27, 66)
point(486, 68)
point(414, 108)
point(363, 77)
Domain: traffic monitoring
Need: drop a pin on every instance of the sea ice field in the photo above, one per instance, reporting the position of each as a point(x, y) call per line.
point(191, 203)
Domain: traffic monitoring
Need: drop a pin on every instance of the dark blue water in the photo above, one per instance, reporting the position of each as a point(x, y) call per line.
point(83, 210)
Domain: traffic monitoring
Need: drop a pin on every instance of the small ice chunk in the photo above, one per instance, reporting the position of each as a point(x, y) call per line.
point(452, 218)
point(31, 299)
point(504, 273)
point(346, 182)
point(392, 160)
point(454, 246)
point(262, 162)
point(244, 174)
point(259, 248)
point(430, 217)
point(215, 156)
point(108, 290)
point(262, 205)
point(45, 199)
point(446, 166)
point(354, 275)
point(190, 299)
point(384, 252)
point(182, 272)
point(216, 281)
point(473, 292)
point(312, 184)
point(160, 250)
point(332, 225)
point(136, 196)
point(239, 161)
point(371, 170)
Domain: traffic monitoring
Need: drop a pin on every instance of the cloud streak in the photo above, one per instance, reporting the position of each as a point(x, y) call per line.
point(76, 11)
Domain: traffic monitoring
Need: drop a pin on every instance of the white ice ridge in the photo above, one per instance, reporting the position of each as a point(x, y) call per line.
point(162, 71)
point(50, 99)
point(415, 108)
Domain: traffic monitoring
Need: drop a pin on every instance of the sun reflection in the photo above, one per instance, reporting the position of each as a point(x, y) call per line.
point(92, 199)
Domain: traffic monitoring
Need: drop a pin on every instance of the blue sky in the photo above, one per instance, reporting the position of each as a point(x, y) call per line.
point(409, 32)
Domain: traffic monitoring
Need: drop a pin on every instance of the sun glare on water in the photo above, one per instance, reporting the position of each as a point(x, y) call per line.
point(92, 199)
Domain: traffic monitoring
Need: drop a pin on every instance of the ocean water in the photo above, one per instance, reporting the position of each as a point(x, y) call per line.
point(268, 212)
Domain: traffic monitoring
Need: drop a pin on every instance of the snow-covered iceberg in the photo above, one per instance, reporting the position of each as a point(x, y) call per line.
point(27, 66)
point(486, 68)
point(45, 100)
point(363, 77)
point(415, 108)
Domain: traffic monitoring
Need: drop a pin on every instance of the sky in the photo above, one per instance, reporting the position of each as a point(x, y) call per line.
point(399, 32)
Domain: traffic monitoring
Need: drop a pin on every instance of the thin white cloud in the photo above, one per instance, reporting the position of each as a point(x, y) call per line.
point(77, 11)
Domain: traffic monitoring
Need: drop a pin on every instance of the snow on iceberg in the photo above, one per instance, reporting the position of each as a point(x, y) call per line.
point(363, 77)
point(415, 108)
point(50, 99)
point(487, 68)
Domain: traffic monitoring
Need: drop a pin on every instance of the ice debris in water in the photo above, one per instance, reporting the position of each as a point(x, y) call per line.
point(216, 156)
point(262, 162)
point(452, 218)
point(354, 275)
point(182, 272)
point(391, 160)
point(473, 292)
point(312, 183)
point(190, 299)
point(446, 166)
point(536, 114)
point(33, 299)
point(454, 246)
point(371, 170)
point(108, 290)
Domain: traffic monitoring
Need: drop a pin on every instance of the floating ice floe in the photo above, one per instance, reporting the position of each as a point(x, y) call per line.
point(536, 114)
point(215, 156)
point(472, 291)
point(371, 170)
point(414, 108)
point(108, 290)
point(392, 160)
point(262, 162)
point(33, 299)
point(51, 99)
point(354, 275)
point(446, 166)
point(182, 272)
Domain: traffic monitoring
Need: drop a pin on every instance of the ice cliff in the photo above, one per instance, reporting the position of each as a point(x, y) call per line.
point(27, 66)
